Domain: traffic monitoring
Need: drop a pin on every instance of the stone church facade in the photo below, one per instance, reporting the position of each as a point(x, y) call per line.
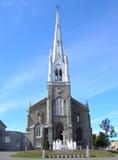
point(59, 111)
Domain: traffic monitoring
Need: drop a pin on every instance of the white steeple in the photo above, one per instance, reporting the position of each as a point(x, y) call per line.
point(58, 61)
point(57, 45)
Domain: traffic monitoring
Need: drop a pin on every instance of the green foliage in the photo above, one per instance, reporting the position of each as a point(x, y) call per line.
point(94, 140)
point(101, 140)
point(108, 129)
point(46, 144)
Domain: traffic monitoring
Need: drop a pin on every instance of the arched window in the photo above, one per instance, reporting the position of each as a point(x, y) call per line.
point(38, 131)
point(78, 118)
point(59, 107)
point(58, 74)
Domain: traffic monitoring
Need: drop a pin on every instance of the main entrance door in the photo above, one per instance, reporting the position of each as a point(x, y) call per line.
point(59, 131)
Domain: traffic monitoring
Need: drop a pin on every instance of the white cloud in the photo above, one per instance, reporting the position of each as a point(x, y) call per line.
point(93, 85)
point(10, 98)
point(94, 59)
point(97, 121)
point(116, 129)
point(97, 90)
point(37, 71)
point(4, 107)
point(95, 131)
point(14, 104)
point(96, 78)
point(112, 115)
point(18, 10)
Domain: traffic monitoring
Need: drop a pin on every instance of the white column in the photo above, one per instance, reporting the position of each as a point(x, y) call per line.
point(66, 69)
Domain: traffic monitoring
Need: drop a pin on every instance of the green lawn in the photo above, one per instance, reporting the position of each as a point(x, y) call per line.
point(102, 153)
point(28, 154)
point(38, 154)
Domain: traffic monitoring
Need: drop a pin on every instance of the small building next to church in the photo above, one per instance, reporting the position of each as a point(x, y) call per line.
point(11, 140)
point(58, 112)
point(114, 145)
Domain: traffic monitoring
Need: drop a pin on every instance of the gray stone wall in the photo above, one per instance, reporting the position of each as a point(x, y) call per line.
point(84, 124)
point(34, 112)
point(72, 109)
point(16, 141)
point(59, 90)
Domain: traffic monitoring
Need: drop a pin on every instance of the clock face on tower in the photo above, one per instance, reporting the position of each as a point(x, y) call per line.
point(59, 90)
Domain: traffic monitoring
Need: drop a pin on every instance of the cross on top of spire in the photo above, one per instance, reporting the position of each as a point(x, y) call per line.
point(58, 7)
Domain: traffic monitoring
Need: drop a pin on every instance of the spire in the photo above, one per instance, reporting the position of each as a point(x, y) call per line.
point(28, 108)
point(87, 105)
point(57, 46)
point(58, 60)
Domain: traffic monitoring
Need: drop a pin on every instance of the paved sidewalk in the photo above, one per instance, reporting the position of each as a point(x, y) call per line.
point(63, 159)
point(6, 156)
point(113, 158)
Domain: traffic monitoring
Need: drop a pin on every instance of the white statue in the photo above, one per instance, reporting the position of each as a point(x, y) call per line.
point(74, 145)
point(87, 151)
point(54, 145)
point(64, 137)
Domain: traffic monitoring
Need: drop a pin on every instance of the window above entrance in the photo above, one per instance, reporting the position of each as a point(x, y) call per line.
point(59, 108)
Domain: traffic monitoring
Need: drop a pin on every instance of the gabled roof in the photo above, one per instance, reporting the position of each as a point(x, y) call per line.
point(83, 106)
point(1, 123)
point(37, 123)
point(44, 100)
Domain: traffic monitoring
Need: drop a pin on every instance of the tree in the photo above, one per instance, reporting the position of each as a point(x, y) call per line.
point(108, 129)
point(94, 140)
point(101, 140)
point(46, 144)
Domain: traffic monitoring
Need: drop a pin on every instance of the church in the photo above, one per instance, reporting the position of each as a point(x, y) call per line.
point(58, 112)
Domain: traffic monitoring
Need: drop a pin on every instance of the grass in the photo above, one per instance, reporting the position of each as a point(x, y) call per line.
point(82, 152)
point(102, 153)
point(28, 154)
point(38, 154)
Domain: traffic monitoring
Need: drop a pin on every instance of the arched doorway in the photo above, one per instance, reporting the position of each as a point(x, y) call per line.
point(59, 131)
point(78, 134)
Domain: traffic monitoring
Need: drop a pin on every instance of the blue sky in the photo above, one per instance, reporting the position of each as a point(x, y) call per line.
point(90, 36)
